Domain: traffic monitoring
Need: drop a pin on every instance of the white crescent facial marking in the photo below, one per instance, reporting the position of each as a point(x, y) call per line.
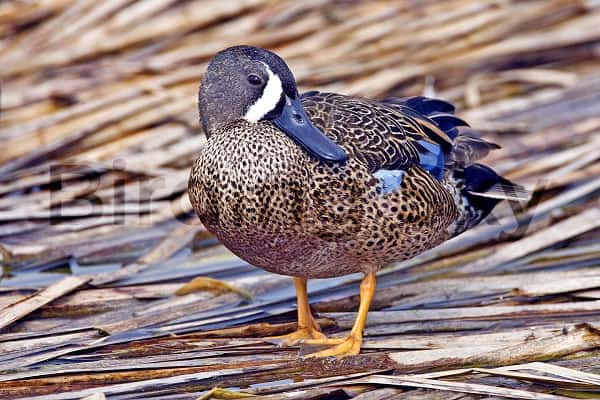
point(269, 99)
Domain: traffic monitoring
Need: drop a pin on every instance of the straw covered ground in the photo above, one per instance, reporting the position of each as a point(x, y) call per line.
point(98, 129)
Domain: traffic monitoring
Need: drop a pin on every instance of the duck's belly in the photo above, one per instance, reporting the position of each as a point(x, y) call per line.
point(369, 247)
point(295, 253)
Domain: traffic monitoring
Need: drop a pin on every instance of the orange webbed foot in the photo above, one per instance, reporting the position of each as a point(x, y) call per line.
point(299, 336)
point(344, 347)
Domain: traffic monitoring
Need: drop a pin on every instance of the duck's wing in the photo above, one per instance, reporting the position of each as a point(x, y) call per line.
point(395, 134)
point(465, 146)
point(392, 134)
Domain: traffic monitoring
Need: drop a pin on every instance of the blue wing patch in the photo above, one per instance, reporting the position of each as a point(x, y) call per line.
point(389, 179)
point(431, 158)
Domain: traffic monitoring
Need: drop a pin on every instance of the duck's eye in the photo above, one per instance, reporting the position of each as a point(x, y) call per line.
point(254, 79)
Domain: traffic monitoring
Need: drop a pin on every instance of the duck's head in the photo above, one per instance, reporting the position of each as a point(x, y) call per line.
point(254, 84)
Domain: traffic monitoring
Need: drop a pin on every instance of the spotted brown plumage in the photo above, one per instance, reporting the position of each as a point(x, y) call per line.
point(323, 184)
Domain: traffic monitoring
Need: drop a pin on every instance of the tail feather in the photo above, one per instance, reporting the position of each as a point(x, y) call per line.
point(479, 190)
point(468, 148)
point(449, 123)
point(505, 191)
point(485, 188)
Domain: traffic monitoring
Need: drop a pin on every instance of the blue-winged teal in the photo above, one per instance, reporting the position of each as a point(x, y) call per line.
point(321, 184)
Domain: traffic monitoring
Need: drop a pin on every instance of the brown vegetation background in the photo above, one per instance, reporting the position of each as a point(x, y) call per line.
point(98, 129)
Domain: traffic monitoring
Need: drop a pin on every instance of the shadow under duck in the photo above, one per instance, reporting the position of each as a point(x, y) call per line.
point(321, 184)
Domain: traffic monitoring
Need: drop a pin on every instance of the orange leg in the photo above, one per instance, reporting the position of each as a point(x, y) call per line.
point(350, 346)
point(308, 328)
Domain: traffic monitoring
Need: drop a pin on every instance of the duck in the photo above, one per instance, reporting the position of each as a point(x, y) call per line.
point(319, 184)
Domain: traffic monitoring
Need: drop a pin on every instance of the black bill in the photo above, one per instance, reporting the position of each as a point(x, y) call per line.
point(294, 121)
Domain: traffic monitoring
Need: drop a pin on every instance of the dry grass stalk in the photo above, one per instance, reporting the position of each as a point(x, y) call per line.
point(99, 129)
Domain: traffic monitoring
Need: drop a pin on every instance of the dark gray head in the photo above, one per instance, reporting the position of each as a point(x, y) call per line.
point(250, 83)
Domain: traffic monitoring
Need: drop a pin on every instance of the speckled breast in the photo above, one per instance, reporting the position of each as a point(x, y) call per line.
point(248, 187)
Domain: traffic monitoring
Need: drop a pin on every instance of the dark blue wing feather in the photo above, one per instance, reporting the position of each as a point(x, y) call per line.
point(431, 158)
point(440, 126)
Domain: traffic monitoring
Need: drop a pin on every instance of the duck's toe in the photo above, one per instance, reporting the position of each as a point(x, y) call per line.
point(349, 346)
point(299, 336)
point(325, 341)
